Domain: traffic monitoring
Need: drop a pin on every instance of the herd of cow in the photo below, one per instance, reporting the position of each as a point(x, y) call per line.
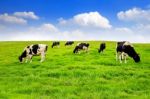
point(123, 49)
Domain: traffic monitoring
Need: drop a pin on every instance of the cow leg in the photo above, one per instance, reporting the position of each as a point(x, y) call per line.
point(125, 58)
point(125, 61)
point(78, 52)
point(120, 57)
point(87, 50)
point(27, 58)
point(117, 56)
point(23, 60)
point(42, 57)
point(30, 57)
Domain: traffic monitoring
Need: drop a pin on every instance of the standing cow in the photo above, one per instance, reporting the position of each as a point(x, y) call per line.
point(69, 43)
point(102, 47)
point(124, 49)
point(33, 50)
point(56, 43)
point(81, 46)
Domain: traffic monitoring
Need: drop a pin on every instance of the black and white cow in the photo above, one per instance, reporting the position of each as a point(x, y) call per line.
point(69, 43)
point(81, 46)
point(102, 47)
point(124, 49)
point(33, 50)
point(55, 43)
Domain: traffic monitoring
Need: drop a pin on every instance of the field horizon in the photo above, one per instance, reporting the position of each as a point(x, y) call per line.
point(64, 74)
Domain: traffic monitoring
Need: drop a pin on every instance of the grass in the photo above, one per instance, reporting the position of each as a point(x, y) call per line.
point(73, 76)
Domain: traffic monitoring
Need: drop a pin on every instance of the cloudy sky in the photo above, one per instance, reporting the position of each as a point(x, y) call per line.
point(115, 20)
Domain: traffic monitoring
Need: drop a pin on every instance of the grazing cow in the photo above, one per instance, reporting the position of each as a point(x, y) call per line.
point(56, 43)
point(81, 46)
point(102, 47)
point(69, 43)
point(124, 49)
point(33, 50)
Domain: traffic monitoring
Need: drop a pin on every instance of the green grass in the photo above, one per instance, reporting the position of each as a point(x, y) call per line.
point(64, 75)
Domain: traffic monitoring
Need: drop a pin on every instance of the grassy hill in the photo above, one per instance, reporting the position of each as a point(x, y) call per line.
point(66, 75)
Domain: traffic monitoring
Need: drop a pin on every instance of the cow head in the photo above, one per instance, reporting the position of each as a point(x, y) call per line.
point(99, 50)
point(52, 45)
point(20, 59)
point(87, 45)
point(136, 58)
point(76, 49)
point(23, 55)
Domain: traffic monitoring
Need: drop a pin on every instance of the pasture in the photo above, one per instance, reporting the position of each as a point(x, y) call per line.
point(64, 75)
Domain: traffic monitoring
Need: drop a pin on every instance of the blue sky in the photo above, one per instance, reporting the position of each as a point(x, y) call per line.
point(66, 17)
point(53, 9)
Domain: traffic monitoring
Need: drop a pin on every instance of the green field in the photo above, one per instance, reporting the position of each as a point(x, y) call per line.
point(64, 75)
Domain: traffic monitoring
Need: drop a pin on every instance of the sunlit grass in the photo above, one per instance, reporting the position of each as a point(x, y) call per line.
point(67, 75)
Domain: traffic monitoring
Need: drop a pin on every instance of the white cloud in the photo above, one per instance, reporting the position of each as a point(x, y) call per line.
point(91, 19)
point(2, 27)
point(45, 31)
point(12, 19)
point(48, 27)
point(84, 26)
point(30, 15)
point(50, 32)
point(17, 18)
point(143, 27)
point(62, 21)
point(124, 30)
point(135, 15)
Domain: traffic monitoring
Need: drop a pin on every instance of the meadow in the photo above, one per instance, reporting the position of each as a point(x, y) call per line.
point(64, 75)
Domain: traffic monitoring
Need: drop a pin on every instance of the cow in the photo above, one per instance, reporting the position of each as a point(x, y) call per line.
point(55, 43)
point(102, 47)
point(33, 50)
point(69, 43)
point(81, 46)
point(124, 49)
